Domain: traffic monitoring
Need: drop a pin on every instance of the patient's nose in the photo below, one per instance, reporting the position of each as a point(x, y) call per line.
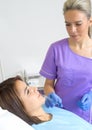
point(33, 89)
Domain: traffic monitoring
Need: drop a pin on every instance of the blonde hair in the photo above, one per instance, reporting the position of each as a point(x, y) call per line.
point(81, 5)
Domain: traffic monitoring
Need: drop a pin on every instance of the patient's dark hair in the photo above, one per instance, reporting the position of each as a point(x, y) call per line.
point(10, 101)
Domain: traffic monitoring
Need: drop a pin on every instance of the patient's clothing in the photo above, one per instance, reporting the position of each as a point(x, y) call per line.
point(73, 74)
point(63, 120)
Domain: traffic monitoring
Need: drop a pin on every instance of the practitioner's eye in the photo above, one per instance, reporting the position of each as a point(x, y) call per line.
point(67, 24)
point(78, 24)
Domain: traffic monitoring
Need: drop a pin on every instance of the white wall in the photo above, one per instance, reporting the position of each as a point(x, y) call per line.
point(27, 28)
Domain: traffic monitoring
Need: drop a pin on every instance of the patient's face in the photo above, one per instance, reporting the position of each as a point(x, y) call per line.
point(30, 96)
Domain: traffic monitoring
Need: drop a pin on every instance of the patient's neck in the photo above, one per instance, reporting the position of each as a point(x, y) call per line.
point(42, 115)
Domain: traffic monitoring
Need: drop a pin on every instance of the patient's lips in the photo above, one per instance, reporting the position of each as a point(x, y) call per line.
point(45, 96)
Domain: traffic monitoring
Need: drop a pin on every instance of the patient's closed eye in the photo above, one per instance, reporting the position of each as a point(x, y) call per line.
point(30, 90)
point(27, 91)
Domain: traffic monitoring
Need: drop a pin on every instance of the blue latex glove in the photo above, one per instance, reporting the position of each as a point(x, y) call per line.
point(53, 100)
point(86, 101)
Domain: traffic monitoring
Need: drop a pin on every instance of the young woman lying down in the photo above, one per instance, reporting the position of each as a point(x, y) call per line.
point(27, 103)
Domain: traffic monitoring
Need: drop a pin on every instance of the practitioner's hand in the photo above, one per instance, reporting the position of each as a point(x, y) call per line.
point(53, 100)
point(86, 101)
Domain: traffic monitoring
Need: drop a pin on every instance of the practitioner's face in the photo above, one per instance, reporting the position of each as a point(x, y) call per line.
point(30, 96)
point(77, 24)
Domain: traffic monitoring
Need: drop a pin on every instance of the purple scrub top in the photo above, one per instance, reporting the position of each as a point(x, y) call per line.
point(73, 75)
